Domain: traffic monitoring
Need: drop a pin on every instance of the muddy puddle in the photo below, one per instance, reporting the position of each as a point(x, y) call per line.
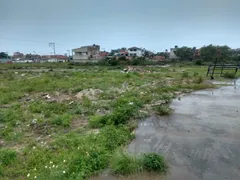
point(139, 176)
point(201, 139)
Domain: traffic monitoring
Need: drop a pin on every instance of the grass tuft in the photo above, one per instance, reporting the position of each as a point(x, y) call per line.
point(229, 75)
point(124, 164)
point(155, 162)
point(163, 110)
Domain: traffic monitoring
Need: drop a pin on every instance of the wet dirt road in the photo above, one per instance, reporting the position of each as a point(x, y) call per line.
point(201, 139)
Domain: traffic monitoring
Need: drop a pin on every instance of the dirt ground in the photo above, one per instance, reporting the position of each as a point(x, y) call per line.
point(201, 139)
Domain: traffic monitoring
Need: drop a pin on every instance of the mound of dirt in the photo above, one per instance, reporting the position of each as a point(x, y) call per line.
point(91, 94)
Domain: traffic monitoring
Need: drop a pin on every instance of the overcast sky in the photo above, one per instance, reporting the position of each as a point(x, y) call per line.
point(29, 25)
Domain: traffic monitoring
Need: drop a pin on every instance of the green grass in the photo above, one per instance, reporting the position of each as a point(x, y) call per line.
point(84, 132)
point(125, 164)
point(229, 75)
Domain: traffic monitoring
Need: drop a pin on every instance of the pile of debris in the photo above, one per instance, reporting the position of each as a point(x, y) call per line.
point(134, 69)
point(91, 94)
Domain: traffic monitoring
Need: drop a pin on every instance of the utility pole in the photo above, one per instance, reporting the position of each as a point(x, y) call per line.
point(68, 53)
point(52, 45)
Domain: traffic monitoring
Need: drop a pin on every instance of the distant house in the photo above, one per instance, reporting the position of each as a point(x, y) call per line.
point(172, 54)
point(7, 61)
point(85, 53)
point(18, 55)
point(159, 58)
point(54, 58)
point(103, 54)
point(135, 52)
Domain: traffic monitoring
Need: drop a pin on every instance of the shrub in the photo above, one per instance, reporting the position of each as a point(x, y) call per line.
point(113, 62)
point(198, 80)
point(63, 120)
point(139, 61)
point(113, 137)
point(195, 74)
point(229, 75)
point(199, 62)
point(7, 156)
point(96, 121)
point(154, 162)
point(163, 109)
point(185, 75)
point(124, 164)
point(122, 113)
point(128, 76)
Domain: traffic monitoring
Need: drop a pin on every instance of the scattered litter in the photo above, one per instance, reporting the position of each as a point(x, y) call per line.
point(34, 121)
point(134, 69)
point(71, 102)
point(47, 96)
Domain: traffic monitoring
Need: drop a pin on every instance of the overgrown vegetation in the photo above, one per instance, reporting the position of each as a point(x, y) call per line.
point(126, 164)
point(50, 131)
point(229, 75)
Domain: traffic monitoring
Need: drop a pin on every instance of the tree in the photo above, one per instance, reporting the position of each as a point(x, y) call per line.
point(211, 53)
point(184, 53)
point(165, 54)
point(3, 55)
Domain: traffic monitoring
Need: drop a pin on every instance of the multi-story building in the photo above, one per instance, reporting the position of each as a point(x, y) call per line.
point(135, 52)
point(87, 53)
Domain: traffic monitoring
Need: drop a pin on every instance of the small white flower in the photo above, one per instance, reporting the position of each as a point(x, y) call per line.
point(53, 166)
point(131, 103)
point(35, 169)
point(34, 147)
point(35, 177)
point(46, 167)
point(28, 175)
point(64, 160)
point(51, 162)
point(64, 172)
point(78, 148)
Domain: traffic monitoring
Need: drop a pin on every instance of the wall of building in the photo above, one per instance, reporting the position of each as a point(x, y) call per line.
point(172, 55)
point(80, 57)
point(87, 53)
point(86, 60)
point(138, 52)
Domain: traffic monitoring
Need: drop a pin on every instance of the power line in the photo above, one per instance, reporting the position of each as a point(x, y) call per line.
point(21, 40)
point(24, 40)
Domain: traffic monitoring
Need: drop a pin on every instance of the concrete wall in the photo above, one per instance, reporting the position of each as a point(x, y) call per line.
point(80, 57)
